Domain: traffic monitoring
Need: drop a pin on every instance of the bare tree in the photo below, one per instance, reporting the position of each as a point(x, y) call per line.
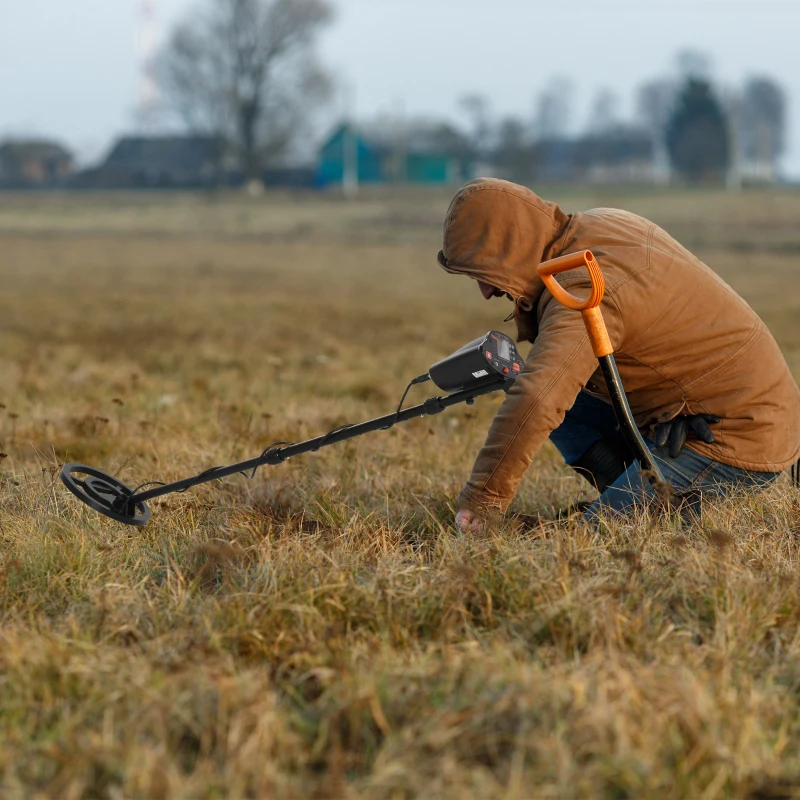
point(516, 154)
point(244, 70)
point(655, 101)
point(604, 113)
point(477, 108)
point(763, 121)
point(553, 109)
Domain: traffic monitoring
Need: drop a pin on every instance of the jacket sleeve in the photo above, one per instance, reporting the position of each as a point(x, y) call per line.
point(560, 363)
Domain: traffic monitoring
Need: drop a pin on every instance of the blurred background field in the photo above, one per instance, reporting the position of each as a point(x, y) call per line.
point(318, 630)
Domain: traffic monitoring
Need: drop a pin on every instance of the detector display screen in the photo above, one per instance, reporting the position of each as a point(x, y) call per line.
point(504, 349)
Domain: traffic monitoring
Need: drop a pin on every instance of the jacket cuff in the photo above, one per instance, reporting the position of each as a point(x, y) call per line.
point(480, 503)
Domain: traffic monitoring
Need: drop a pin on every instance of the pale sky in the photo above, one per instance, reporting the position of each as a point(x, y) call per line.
point(69, 68)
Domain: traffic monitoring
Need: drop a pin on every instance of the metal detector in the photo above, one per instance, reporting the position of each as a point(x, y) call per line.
point(488, 364)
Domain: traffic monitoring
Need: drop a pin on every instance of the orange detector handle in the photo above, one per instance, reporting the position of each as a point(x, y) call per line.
point(590, 307)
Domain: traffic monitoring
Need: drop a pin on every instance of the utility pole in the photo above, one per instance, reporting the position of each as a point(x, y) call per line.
point(401, 143)
point(349, 146)
point(765, 152)
point(734, 117)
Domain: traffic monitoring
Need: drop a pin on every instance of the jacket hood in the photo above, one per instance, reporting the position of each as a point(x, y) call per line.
point(498, 232)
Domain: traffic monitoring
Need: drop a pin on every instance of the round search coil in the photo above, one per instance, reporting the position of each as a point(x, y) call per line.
point(105, 493)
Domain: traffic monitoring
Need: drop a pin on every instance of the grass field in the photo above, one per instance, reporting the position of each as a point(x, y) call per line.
point(319, 630)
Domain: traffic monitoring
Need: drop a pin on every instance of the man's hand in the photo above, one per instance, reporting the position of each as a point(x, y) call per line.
point(468, 522)
point(676, 431)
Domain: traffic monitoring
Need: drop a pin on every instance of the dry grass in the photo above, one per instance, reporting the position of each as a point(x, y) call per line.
point(319, 631)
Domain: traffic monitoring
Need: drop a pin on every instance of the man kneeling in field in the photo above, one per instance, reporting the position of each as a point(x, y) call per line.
point(707, 384)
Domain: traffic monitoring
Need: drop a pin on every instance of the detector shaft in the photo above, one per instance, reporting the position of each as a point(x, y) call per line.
point(433, 405)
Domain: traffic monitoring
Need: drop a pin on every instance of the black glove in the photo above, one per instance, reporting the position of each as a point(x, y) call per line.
point(676, 431)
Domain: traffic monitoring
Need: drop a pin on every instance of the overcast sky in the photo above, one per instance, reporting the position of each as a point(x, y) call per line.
point(69, 68)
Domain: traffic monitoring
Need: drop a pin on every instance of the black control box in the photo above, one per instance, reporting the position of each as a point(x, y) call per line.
point(485, 360)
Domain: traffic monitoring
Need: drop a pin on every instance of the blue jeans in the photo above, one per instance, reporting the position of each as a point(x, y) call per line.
point(591, 419)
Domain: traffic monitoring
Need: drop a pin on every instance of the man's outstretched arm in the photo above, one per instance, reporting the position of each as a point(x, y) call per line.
point(559, 365)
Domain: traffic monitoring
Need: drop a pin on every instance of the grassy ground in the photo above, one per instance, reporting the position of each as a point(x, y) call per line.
point(319, 631)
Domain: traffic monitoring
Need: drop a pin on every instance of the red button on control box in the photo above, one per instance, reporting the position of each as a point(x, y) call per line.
point(505, 370)
point(488, 354)
point(516, 367)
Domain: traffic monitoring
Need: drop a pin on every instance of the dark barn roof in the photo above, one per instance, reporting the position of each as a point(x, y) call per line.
point(158, 161)
point(169, 153)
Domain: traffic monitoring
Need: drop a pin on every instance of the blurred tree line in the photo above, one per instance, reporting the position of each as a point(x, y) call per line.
point(246, 72)
point(696, 130)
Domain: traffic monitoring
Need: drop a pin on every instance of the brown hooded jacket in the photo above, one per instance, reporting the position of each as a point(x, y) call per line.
point(684, 341)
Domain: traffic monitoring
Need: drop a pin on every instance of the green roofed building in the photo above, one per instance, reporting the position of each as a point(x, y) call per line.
point(392, 153)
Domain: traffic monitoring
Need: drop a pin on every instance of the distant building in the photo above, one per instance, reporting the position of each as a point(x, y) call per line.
point(33, 163)
point(137, 162)
point(624, 155)
point(393, 153)
point(620, 156)
point(284, 177)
